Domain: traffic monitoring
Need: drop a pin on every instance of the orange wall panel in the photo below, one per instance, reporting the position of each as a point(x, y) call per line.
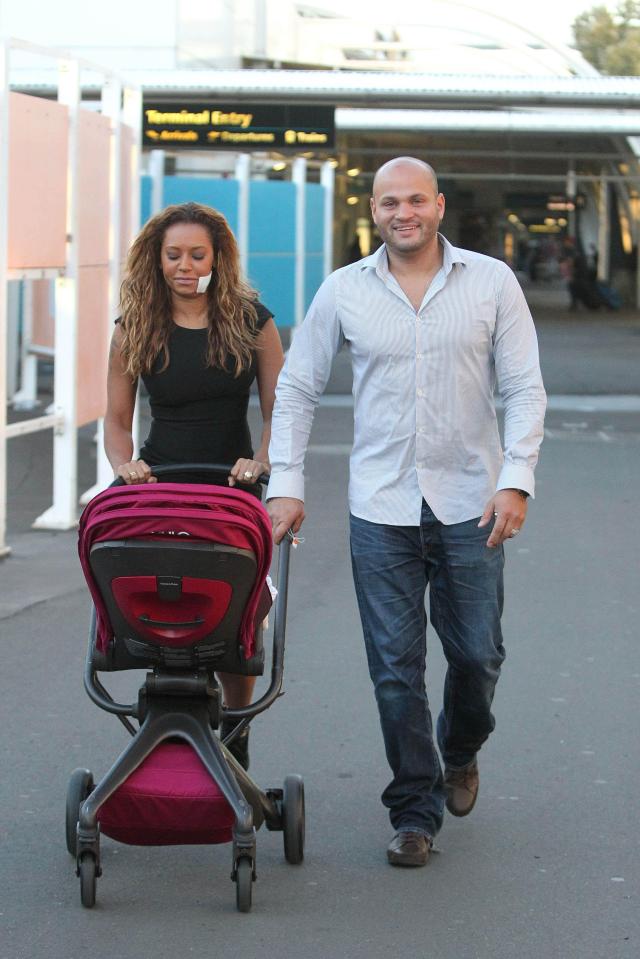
point(93, 336)
point(38, 150)
point(44, 323)
point(94, 135)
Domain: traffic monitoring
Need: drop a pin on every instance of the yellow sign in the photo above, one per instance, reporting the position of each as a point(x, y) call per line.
point(256, 126)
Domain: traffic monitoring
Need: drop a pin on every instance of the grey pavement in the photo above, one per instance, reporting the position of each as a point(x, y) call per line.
point(547, 865)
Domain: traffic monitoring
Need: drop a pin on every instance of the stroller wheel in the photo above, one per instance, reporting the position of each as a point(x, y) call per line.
point(293, 823)
point(80, 786)
point(244, 881)
point(88, 880)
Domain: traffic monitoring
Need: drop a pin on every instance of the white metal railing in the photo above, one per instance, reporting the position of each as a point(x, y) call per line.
point(122, 104)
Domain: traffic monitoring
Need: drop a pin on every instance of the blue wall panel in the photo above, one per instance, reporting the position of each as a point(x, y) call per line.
point(274, 277)
point(272, 217)
point(221, 194)
point(314, 225)
point(272, 237)
point(145, 198)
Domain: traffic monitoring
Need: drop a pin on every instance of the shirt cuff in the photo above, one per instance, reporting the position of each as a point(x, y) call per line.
point(513, 476)
point(286, 484)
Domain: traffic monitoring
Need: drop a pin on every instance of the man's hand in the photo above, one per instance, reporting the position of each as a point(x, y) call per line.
point(286, 513)
point(510, 510)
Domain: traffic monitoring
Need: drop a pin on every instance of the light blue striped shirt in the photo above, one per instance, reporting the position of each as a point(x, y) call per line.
point(423, 385)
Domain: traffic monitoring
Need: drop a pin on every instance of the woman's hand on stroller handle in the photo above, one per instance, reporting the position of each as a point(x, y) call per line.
point(248, 471)
point(135, 471)
point(286, 514)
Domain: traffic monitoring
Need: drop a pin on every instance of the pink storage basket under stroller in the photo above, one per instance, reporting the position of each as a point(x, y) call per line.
point(177, 572)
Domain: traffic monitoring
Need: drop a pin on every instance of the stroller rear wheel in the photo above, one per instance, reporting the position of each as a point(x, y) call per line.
point(244, 883)
point(88, 873)
point(80, 786)
point(293, 819)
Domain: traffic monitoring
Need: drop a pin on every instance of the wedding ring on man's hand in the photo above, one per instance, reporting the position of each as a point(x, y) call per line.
point(514, 532)
point(247, 474)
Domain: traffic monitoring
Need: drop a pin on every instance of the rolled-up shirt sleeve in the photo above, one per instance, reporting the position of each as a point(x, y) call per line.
point(300, 384)
point(520, 385)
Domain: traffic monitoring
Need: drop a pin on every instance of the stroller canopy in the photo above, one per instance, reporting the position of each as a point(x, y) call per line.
point(161, 511)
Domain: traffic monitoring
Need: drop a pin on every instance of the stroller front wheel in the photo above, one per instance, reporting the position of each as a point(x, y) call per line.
point(244, 882)
point(88, 880)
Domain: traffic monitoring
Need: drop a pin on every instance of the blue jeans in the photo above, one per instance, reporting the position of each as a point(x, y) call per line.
point(392, 567)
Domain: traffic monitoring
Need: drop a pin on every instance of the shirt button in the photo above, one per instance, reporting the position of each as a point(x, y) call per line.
point(419, 356)
point(420, 392)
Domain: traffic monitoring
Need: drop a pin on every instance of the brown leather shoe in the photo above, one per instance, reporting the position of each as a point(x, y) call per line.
point(409, 849)
point(461, 789)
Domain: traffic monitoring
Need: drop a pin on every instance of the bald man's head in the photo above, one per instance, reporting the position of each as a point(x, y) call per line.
point(392, 165)
point(407, 208)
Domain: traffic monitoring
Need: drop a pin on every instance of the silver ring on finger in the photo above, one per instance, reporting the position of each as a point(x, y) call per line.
point(133, 475)
point(247, 474)
point(514, 532)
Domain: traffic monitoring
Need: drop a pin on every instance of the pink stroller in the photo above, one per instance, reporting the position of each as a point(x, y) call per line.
point(177, 572)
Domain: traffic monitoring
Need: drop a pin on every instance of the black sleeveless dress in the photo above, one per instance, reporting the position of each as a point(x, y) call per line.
point(198, 412)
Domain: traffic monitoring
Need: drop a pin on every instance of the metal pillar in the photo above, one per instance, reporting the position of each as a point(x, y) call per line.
point(327, 179)
point(4, 282)
point(299, 178)
point(604, 228)
point(26, 398)
point(242, 174)
point(156, 172)
point(571, 191)
point(62, 514)
point(111, 107)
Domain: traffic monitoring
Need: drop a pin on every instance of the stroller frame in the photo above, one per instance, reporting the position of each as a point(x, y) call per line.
point(187, 705)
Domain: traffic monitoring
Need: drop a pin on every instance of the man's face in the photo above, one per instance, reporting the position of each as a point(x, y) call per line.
point(406, 208)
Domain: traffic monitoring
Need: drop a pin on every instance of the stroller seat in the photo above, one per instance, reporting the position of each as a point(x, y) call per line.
point(178, 605)
point(170, 799)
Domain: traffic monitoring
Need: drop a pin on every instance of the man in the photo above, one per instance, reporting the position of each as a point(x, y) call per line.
point(430, 329)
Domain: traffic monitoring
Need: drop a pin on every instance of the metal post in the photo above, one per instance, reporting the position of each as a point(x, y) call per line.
point(63, 513)
point(111, 107)
point(156, 172)
point(571, 197)
point(242, 174)
point(4, 255)
point(603, 228)
point(132, 116)
point(26, 398)
point(299, 178)
point(327, 179)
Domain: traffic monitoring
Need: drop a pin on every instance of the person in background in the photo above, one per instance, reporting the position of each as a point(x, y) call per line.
point(194, 331)
point(431, 330)
point(354, 250)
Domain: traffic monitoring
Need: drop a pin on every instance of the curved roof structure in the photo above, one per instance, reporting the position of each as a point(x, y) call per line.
point(443, 36)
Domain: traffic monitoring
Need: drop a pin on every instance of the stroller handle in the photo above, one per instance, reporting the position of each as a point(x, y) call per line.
point(221, 470)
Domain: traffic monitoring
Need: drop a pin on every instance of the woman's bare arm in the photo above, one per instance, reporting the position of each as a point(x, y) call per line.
point(121, 399)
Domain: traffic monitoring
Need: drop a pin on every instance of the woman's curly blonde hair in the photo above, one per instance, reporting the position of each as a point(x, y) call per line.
point(145, 299)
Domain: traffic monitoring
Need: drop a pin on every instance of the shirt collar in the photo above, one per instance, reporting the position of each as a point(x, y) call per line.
point(450, 254)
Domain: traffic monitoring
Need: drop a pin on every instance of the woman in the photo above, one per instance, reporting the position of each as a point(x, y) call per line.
point(193, 330)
